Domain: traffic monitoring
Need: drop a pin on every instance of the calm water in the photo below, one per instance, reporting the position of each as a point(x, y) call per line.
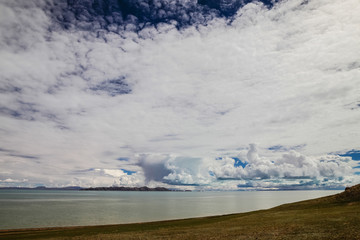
point(36, 208)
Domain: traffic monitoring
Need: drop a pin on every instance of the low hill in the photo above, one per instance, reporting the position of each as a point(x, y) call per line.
point(351, 194)
point(136, 189)
point(333, 217)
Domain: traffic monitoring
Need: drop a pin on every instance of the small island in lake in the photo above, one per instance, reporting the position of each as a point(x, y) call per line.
point(140, 189)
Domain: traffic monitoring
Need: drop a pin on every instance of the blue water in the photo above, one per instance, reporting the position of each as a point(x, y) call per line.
point(39, 208)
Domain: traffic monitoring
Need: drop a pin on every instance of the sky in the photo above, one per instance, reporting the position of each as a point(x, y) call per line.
point(184, 94)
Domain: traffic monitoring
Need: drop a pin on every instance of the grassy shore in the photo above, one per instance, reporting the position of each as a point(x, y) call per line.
point(333, 217)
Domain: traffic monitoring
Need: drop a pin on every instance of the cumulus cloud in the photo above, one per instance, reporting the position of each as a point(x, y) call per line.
point(187, 171)
point(9, 180)
point(291, 165)
point(172, 85)
point(121, 177)
point(248, 169)
point(153, 166)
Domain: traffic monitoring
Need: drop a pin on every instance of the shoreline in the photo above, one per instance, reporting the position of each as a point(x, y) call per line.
point(112, 214)
point(332, 217)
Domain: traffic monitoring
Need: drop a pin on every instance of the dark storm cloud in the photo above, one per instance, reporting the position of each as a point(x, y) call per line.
point(134, 15)
point(22, 111)
point(280, 148)
point(154, 171)
point(13, 153)
point(112, 87)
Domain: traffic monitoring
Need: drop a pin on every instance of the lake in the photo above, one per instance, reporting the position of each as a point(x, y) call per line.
point(55, 208)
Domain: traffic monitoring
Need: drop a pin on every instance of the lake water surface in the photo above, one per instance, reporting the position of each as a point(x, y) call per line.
point(40, 208)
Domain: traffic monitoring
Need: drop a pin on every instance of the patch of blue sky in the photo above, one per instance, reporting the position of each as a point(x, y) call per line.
point(354, 154)
point(128, 172)
point(233, 178)
point(245, 185)
point(239, 163)
point(123, 159)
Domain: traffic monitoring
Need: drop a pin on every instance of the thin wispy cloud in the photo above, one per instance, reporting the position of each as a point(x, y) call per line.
point(174, 93)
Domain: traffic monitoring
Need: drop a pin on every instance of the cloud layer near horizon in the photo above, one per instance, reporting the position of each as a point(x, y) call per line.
point(164, 98)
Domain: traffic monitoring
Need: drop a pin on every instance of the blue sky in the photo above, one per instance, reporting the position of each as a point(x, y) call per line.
point(191, 94)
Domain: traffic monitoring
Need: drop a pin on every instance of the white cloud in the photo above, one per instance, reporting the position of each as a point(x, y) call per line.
point(291, 165)
point(187, 171)
point(9, 180)
point(249, 169)
point(120, 177)
point(287, 76)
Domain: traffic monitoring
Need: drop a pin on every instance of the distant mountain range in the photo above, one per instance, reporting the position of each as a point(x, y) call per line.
point(45, 188)
point(141, 189)
point(77, 188)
